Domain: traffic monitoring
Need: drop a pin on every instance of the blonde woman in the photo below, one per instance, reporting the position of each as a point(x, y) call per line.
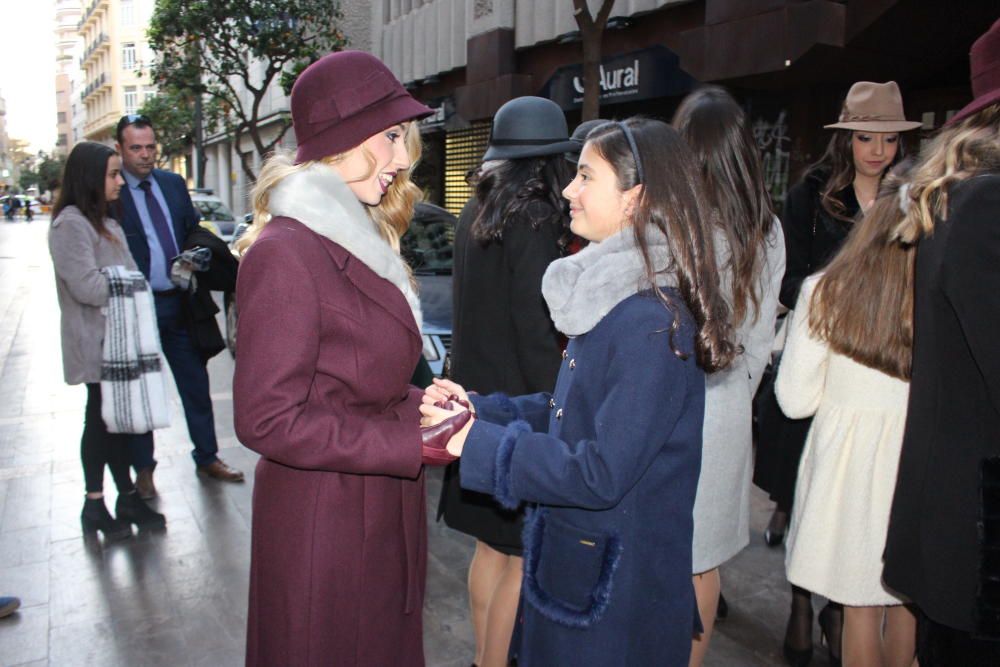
point(941, 550)
point(329, 337)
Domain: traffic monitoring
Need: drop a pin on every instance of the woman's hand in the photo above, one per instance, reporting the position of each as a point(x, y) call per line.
point(443, 391)
point(434, 415)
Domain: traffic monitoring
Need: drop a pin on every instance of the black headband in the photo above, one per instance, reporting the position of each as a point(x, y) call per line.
point(633, 147)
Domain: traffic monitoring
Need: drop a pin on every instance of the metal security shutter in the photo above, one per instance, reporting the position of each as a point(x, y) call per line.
point(463, 151)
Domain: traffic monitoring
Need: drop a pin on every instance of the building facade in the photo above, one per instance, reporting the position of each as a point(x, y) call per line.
point(115, 63)
point(789, 62)
point(8, 166)
point(69, 49)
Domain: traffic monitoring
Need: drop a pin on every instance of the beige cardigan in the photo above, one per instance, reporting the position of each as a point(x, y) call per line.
point(78, 253)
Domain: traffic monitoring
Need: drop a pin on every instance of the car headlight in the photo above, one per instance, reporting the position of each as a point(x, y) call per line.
point(430, 349)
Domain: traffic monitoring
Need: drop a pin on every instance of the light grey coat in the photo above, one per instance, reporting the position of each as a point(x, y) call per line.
point(78, 253)
point(722, 504)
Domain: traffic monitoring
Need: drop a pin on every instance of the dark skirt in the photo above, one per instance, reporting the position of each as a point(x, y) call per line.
point(479, 515)
point(780, 442)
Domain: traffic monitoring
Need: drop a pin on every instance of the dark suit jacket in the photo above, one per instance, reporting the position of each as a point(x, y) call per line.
point(942, 545)
point(200, 307)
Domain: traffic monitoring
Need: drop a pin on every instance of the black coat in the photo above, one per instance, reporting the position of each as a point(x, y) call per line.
point(504, 340)
point(934, 555)
point(812, 235)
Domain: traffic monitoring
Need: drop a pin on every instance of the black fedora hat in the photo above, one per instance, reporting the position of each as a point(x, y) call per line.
point(579, 137)
point(528, 127)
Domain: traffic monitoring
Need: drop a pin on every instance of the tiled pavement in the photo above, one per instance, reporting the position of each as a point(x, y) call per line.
point(178, 597)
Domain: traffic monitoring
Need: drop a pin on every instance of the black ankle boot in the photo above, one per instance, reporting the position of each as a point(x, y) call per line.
point(130, 507)
point(95, 517)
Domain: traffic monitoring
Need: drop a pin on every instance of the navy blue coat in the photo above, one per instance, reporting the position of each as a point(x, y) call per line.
point(612, 459)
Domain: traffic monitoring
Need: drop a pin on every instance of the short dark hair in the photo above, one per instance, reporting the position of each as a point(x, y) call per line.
point(83, 183)
point(131, 120)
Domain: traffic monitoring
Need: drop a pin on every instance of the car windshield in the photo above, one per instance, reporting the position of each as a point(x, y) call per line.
point(214, 211)
point(428, 243)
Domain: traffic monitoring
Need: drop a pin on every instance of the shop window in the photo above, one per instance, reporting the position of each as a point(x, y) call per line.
point(463, 151)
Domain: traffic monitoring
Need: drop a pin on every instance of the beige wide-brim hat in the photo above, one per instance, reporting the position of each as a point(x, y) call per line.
point(874, 107)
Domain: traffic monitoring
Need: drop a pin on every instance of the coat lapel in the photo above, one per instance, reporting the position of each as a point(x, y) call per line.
point(379, 290)
point(128, 218)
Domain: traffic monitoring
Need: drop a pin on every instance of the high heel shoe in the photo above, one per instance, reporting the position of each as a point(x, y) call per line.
point(434, 439)
point(831, 628)
point(773, 537)
point(95, 517)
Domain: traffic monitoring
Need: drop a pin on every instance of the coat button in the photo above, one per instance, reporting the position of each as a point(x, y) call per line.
point(559, 413)
point(564, 354)
point(572, 364)
point(552, 403)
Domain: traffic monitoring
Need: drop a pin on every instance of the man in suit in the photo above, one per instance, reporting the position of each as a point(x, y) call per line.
point(157, 215)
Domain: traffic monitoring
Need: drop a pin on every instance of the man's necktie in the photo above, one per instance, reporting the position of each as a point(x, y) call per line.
point(160, 224)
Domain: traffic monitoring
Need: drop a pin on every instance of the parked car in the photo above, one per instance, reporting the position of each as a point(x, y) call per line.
point(428, 248)
point(214, 211)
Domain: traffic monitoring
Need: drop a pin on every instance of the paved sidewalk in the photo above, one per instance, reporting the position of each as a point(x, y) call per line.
point(178, 597)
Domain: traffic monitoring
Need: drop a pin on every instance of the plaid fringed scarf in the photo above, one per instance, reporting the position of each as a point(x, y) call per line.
point(133, 398)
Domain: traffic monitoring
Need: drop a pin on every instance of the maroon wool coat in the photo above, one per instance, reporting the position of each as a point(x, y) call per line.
point(339, 544)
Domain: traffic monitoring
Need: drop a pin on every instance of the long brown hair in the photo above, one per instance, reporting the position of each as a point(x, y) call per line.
point(957, 152)
point(84, 184)
point(670, 201)
point(863, 303)
point(716, 129)
point(836, 169)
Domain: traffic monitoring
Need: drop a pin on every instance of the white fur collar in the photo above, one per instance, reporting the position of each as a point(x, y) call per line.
point(582, 288)
point(319, 199)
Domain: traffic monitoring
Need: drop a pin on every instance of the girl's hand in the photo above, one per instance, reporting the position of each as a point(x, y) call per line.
point(443, 392)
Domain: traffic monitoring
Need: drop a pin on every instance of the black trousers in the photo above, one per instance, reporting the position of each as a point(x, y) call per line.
point(99, 448)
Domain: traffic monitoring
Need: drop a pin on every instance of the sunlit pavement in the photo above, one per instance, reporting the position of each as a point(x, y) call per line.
point(178, 597)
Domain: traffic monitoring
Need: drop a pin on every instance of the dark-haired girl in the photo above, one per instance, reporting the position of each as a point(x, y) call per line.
point(82, 240)
point(847, 361)
point(504, 339)
point(819, 213)
point(751, 254)
point(611, 457)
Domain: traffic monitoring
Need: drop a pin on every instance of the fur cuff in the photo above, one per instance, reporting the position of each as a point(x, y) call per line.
point(505, 404)
point(988, 596)
point(501, 469)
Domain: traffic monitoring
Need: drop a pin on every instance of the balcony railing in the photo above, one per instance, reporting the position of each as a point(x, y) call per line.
point(91, 8)
point(94, 45)
point(93, 86)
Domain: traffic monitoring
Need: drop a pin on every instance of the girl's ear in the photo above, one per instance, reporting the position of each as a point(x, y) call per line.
point(630, 197)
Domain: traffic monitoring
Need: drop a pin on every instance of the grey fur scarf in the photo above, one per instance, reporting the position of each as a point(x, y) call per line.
point(319, 199)
point(582, 288)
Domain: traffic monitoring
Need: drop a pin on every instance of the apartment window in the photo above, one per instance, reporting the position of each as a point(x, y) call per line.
point(62, 140)
point(131, 100)
point(128, 12)
point(149, 94)
point(128, 56)
point(61, 117)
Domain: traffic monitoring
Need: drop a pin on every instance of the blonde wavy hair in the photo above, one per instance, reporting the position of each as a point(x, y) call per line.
point(956, 153)
point(391, 217)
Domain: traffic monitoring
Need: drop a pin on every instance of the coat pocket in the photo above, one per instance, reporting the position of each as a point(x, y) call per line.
point(568, 571)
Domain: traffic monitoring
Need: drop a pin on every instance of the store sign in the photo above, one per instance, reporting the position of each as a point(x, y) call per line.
point(640, 75)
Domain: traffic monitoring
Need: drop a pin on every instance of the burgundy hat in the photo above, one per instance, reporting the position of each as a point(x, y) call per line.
point(984, 66)
point(342, 99)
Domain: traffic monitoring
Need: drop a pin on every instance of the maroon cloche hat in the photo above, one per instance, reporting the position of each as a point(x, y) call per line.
point(342, 99)
point(984, 67)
